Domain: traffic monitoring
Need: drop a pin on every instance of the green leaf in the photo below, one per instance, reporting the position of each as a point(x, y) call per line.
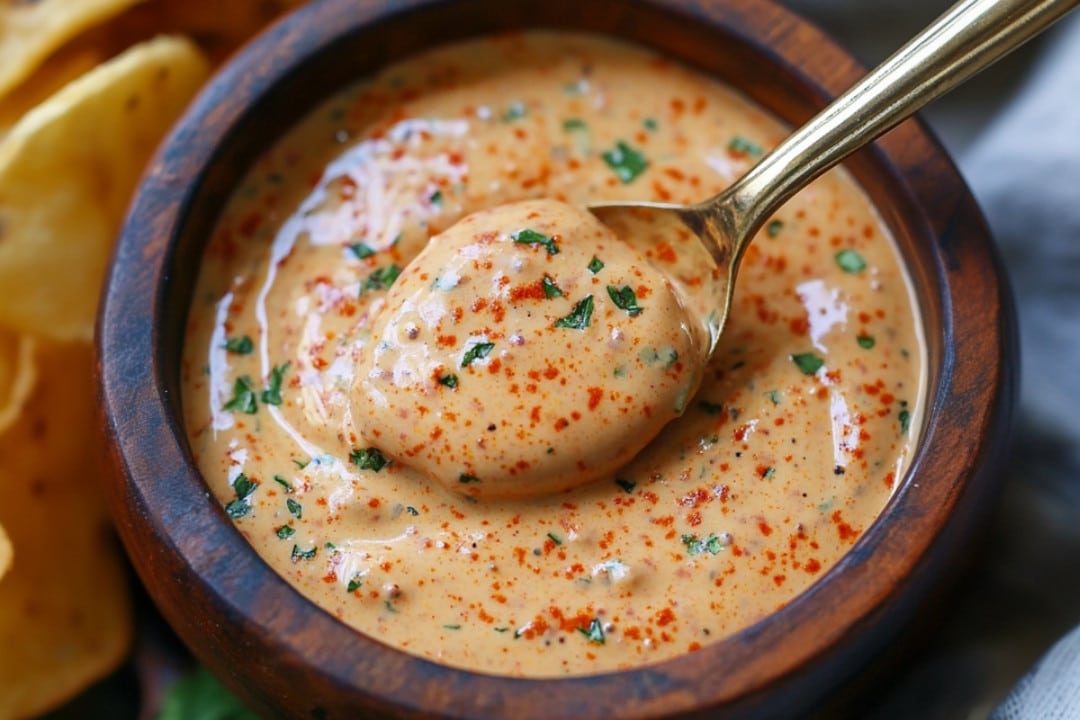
point(625, 299)
point(243, 486)
point(449, 380)
point(850, 261)
point(362, 251)
point(237, 509)
point(595, 265)
point(382, 277)
point(905, 420)
point(773, 228)
point(528, 236)
point(742, 146)
point(283, 483)
point(467, 478)
point(712, 544)
point(285, 532)
point(808, 363)
point(626, 162)
point(478, 351)
point(240, 345)
point(514, 112)
point(555, 538)
point(865, 341)
point(436, 198)
point(295, 508)
point(580, 317)
point(272, 394)
point(243, 399)
point(595, 632)
point(298, 554)
point(355, 583)
point(550, 288)
point(650, 124)
point(199, 695)
point(368, 459)
point(774, 396)
point(574, 124)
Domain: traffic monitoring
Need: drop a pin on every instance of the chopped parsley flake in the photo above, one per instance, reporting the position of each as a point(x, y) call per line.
point(514, 112)
point(850, 261)
point(555, 538)
point(450, 380)
point(272, 394)
point(905, 420)
point(362, 251)
point(283, 483)
point(712, 544)
point(478, 351)
point(467, 478)
point(742, 146)
point(411, 510)
point(237, 509)
point(368, 459)
point(295, 508)
point(381, 278)
point(436, 198)
point(243, 486)
point(355, 584)
point(808, 363)
point(574, 124)
point(627, 485)
point(285, 532)
point(625, 299)
point(768, 473)
point(451, 627)
point(626, 162)
point(243, 399)
point(301, 463)
point(865, 341)
point(774, 227)
point(240, 345)
point(650, 124)
point(774, 396)
point(550, 288)
point(594, 633)
point(527, 236)
point(298, 554)
point(580, 317)
point(596, 265)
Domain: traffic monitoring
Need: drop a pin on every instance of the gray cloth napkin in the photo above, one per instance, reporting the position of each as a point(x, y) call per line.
point(1015, 132)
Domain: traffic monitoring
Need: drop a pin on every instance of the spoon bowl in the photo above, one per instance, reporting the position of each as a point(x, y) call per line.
point(711, 236)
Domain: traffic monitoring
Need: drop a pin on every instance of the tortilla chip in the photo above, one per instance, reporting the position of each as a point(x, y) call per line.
point(67, 172)
point(5, 552)
point(17, 375)
point(30, 30)
point(65, 608)
point(58, 71)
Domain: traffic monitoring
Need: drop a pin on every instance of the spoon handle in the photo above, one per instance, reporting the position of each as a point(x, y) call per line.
point(967, 38)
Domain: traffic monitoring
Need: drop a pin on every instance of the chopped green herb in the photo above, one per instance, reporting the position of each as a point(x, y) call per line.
point(285, 531)
point(774, 396)
point(576, 88)
point(389, 607)
point(650, 124)
point(808, 363)
point(272, 394)
point(298, 554)
point(355, 583)
point(368, 459)
point(243, 486)
point(283, 483)
point(500, 629)
point(449, 380)
point(302, 463)
point(626, 485)
point(905, 420)
point(362, 251)
point(667, 356)
point(574, 124)
point(243, 399)
point(330, 547)
point(710, 407)
point(773, 228)
point(295, 508)
point(595, 265)
point(550, 288)
point(411, 510)
point(865, 341)
point(451, 627)
point(514, 112)
point(625, 299)
point(850, 261)
point(240, 345)
point(237, 509)
point(594, 633)
point(742, 146)
point(580, 317)
point(467, 478)
point(382, 277)
point(200, 695)
point(555, 538)
point(712, 544)
point(527, 236)
point(478, 351)
point(768, 473)
point(436, 198)
point(626, 162)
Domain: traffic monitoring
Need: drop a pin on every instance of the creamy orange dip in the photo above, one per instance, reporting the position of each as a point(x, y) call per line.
point(804, 421)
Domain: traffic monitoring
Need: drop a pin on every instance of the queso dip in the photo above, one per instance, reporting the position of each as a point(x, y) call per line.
point(757, 484)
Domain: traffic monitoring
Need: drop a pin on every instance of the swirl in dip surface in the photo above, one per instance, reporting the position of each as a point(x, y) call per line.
point(804, 421)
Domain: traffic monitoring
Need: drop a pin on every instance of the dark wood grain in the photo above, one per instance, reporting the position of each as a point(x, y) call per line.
point(285, 656)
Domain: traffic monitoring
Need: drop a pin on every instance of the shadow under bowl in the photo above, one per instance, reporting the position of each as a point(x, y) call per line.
point(286, 656)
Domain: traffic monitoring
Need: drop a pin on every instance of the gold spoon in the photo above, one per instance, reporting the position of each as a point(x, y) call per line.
point(715, 233)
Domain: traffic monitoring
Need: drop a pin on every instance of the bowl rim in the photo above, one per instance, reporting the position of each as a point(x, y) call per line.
point(158, 493)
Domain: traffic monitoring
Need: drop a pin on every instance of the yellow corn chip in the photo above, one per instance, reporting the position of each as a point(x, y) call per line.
point(67, 172)
point(17, 375)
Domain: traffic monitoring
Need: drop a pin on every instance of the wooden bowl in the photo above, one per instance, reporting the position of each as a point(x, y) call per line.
point(286, 656)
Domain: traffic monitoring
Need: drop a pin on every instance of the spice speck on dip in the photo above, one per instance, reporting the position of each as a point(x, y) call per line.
point(383, 372)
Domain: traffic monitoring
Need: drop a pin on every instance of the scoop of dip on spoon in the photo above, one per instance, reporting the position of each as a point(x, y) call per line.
point(532, 348)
